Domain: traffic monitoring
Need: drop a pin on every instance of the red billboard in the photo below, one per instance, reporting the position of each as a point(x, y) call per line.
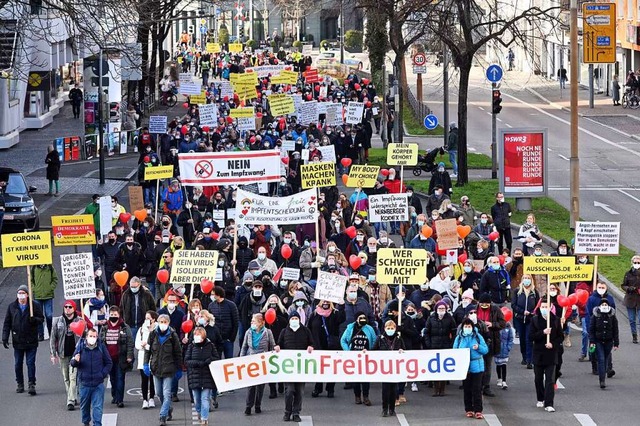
point(523, 157)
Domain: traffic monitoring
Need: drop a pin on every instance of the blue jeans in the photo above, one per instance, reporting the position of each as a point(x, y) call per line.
point(633, 317)
point(380, 226)
point(151, 285)
point(585, 337)
point(526, 348)
point(149, 194)
point(116, 375)
point(92, 397)
point(603, 351)
point(227, 347)
point(174, 386)
point(453, 157)
point(19, 355)
point(47, 310)
point(201, 399)
point(1, 219)
point(163, 390)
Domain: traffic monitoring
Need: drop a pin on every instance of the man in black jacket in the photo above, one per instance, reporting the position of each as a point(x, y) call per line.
point(227, 319)
point(22, 323)
point(130, 256)
point(501, 214)
point(297, 337)
point(76, 98)
point(134, 304)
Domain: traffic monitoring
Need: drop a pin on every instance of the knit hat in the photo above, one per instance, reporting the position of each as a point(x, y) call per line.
point(562, 243)
point(484, 298)
point(24, 288)
point(468, 293)
point(604, 300)
point(294, 314)
point(470, 308)
point(72, 303)
point(442, 303)
point(253, 265)
point(392, 306)
point(247, 277)
point(441, 164)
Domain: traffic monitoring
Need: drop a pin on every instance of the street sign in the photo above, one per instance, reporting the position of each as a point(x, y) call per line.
point(419, 69)
point(203, 29)
point(599, 33)
point(494, 73)
point(431, 122)
point(419, 59)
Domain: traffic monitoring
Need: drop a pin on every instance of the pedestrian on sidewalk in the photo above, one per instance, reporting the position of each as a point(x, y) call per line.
point(615, 86)
point(562, 77)
point(44, 281)
point(53, 169)
point(76, 97)
point(452, 147)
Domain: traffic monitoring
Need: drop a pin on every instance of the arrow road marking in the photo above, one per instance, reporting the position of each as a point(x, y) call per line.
point(605, 207)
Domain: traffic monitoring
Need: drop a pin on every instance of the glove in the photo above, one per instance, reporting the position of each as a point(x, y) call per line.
point(178, 374)
point(33, 320)
point(147, 370)
point(5, 343)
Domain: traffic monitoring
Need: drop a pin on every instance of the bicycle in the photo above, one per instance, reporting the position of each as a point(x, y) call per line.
point(169, 98)
point(630, 99)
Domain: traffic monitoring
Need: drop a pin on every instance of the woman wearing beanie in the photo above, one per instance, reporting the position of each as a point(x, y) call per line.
point(359, 336)
point(439, 333)
point(389, 340)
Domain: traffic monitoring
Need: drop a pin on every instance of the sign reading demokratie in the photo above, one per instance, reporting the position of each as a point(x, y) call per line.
point(548, 264)
point(73, 230)
point(257, 209)
point(388, 207)
point(401, 266)
point(229, 168)
point(192, 266)
point(340, 366)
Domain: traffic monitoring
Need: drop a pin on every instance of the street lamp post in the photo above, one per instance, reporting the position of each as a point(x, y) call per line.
point(342, 31)
point(100, 123)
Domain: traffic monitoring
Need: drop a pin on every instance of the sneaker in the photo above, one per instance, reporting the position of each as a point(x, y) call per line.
point(296, 418)
point(120, 404)
point(145, 405)
point(540, 404)
point(71, 407)
point(152, 403)
point(504, 385)
point(20, 388)
point(32, 389)
point(414, 387)
point(366, 401)
point(488, 392)
point(286, 417)
point(247, 411)
point(602, 384)
point(174, 398)
point(469, 414)
point(549, 409)
point(385, 413)
point(402, 399)
point(163, 421)
point(258, 410)
point(582, 358)
point(479, 416)
point(611, 373)
point(170, 416)
point(529, 366)
point(499, 383)
point(454, 175)
point(567, 341)
point(358, 400)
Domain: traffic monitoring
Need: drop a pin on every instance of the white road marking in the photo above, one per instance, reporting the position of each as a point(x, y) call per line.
point(472, 149)
point(488, 113)
point(628, 195)
point(549, 149)
point(480, 108)
point(590, 188)
point(499, 120)
point(560, 385)
point(402, 419)
point(604, 207)
point(563, 157)
point(306, 421)
point(110, 419)
point(492, 420)
point(585, 420)
point(508, 125)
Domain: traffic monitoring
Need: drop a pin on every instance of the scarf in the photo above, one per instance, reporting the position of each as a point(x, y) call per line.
point(256, 336)
point(95, 304)
point(303, 315)
point(323, 312)
point(375, 300)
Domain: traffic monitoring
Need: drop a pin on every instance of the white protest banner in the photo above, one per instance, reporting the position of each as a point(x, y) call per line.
point(226, 89)
point(246, 123)
point(388, 208)
point(77, 276)
point(105, 214)
point(228, 168)
point(208, 114)
point(354, 112)
point(190, 89)
point(193, 266)
point(308, 112)
point(328, 152)
point(297, 102)
point(597, 238)
point(334, 114)
point(263, 188)
point(290, 274)
point(330, 287)
point(157, 124)
point(288, 144)
point(267, 70)
point(257, 209)
point(322, 106)
point(340, 366)
point(185, 77)
point(218, 217)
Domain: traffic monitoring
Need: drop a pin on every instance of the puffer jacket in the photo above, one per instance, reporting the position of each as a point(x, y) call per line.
point(44, 282)
point(227, 317)
point(522, 302)
point(347, 336)
point(506, 342)
point(476, 360)
point(386, 343)
point(496, 317)
point(58, 334)
point(164, 359)
point(197, 359)
point(21, 326)
point(631, 286)
point(439, 333)
point(94, 365)
point(299, 339)
point(265, 344)
point(604, 327)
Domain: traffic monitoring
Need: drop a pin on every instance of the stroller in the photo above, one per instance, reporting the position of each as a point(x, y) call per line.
point(427, 162)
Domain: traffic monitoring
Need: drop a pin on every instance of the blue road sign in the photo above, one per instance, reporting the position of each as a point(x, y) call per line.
point(431, 122)
point(494, 73)
point(203, 29)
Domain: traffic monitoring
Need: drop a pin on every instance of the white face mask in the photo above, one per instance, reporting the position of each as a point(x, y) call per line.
point(465, 303)
point(357, 221)
point(287, 240)
point(22, 296)
point(553, 293)
point(424, 287)
point(473, 318)
point(480, 250)
point(332, 249)
point(467, 269)
point(197, 339)
point(636, 266)
point(294, 324)
point(163, 327)
point(601, 291)
point(171, 307)
point(562, 251)
point(262, 256)
point(257, 293)
point(92, 340)
point(99, 273)
point(147, 323)
point(605, 309)
point(373, 249)
point(221, 263)
point(360, 238)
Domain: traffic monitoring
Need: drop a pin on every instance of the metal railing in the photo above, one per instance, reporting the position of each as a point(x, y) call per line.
point(420, 109)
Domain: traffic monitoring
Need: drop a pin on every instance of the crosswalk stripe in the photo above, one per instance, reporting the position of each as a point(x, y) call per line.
point(492, 420)
point(306, 421)
point(402, 419)
point(585, 419)
point(110, 419)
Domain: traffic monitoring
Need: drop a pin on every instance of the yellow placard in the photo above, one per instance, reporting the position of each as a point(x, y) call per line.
point(193, 266)
point(401, 266)
point(242, 112)
point(30, 248)
point(179, 59)
point(213, 48)
point(235, 47)
point(363, 176)
point(285, 77)
point(233, 77)
point(73, 230)
point(248, 79)
point(402, 154)
point(599, 33)
point(547, 264)
point(200, 99)
point(577, 273)
point(281, 104)
point(318, 174)
point(158, 172)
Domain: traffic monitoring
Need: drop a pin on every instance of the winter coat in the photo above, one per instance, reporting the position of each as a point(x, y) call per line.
point(500, 213)
point(506, 343)
point(248, 307)
point(141, 341)
point(227, 318)
point(22, 327)
point(522, 302)
point(439, 333)
point(164, 359)
point(95, 364)
point(631, 287)
point(53, 165)
point(130, 260)
point(347, 336)
point(300, 339)
point(43, 282)
point(265, 344)
point(604, 327)
point(172, 200)
point(146, 302)
point(58, 334)
point(386, 343)
point(476, 360)
point(325, 330)
point(497, 324)
point(197, 358)
point(497, 284)
point(541, 355)
point(125, 345)
point(440, 178)
point(593, 302)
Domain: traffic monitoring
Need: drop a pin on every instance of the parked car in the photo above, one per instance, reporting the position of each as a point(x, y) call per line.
point(20, 210)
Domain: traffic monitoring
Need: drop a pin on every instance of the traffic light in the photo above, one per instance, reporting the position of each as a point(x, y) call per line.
point(497, 100)
point(241, 33)
point(190, 29)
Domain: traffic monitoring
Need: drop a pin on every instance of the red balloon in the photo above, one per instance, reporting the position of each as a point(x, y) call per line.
point(184, 130)
point(355, 261)
point(206, 286)
point(124, 217)
point(351, 231)
point(206, 129)
point(502, 259)
point(230, 120)
point(365, 81)
point(78, 327)
point(494, 235)
point(384, 172)
point(440, 251)
point(583, 296)
point(317, 87)
point(563, 301)
point(187, 326)
point(270, 316)
point(215, 235)
point(258, 114)
point(186, 104)
point(346, 162)
point(285, 251)
point(285, 160)
point(356, 86)
point(368, 105)
point(508, 313)
point(462, 258)
point(309, 97)
point(163, 276)
point(226, 99)
point(573, 298)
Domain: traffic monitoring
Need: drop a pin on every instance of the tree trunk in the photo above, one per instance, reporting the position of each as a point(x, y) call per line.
point(465, 69)
point(402, 81)
point(143, 38)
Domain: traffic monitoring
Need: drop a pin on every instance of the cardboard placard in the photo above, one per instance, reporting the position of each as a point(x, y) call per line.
point(354, 112)
point(447, 230)
point(290, 274)
point(77, 276)
point(401, 266)
point(388, 208)
point(281, 104)
point(330, 287)
point(242, 112)
point(208, 115)
point(548, 264)
point(257, 209)
point(597, 238)
point(577, 273)
point(106, 219)
point(29, 248)
point(198, 99)
point(402, 154)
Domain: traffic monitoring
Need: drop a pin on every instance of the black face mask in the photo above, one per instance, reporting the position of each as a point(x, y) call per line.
point(242, 245)
point(112, 240)
point(362, 323)
point(165, 223)
point(130, 245)
point(114, 319)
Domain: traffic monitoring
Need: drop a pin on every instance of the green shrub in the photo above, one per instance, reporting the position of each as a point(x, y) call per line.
point(252, 44)
point(298, 45)
point(223, 35)
point(353, 39)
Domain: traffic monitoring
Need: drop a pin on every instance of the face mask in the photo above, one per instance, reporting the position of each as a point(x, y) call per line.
point(114, 319)
point(99, 273)
point(165, 240)
point(441, 169)
point(360, 238)
point(544, 312)
point(287, 240)
point(501, 200)
point(373, 249)
point(197, 339)
point(465, 303)
point(495, 267)
point(537, 253)
point(390, 332)
point(178, 247)
point(553, 293)
point(636, 266)
point(480, 250)
point(262, 256)
point(163, 327)
point(424, 287)
point(357, 222)
point(601, 291)
point(352, 295)
point(148, 211)
point(145, 224)
point(441, 314)
point(420, 223)
point(294, 324)
point(371, 277)
point(467, 269)
point(362, 323)
point(22, 296)
point(412, 314)
point(202, 321)
point(307, 243)
point(562, 251)
point(332, 249)
point(473, 318)
point(92, 340)
point(434, 217)
point(467, 331)
point(254, 327)
point(257, 293)
point(526, 282)
point(100, 298)
point(582, 260)
point(119, 231)
point(438, 193)
point(171, 306)
point(300, 303)
point(165, 223)
point(605, 309)
point(483, 221)
point(134, 290)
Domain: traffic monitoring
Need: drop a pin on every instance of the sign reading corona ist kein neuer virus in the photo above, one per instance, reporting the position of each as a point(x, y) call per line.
point(401, 266)
point(30, 248)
